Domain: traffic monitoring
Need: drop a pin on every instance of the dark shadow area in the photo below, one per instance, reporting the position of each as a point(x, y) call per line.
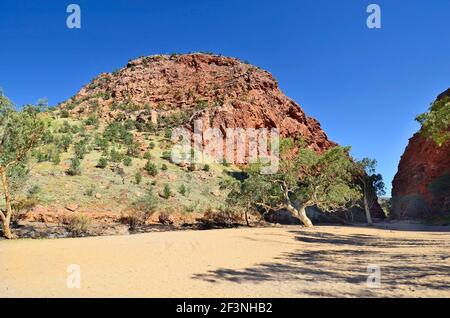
point(344, 258)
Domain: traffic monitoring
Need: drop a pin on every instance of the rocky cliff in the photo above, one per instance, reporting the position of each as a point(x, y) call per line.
point(421, 187)
point(224, 91)
point(230, 93)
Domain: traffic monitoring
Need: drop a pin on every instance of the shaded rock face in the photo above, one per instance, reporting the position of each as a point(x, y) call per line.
point(421, 187)
point(223, 91)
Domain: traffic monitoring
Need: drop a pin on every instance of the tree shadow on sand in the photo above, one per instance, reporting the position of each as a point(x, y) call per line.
point(335, 258)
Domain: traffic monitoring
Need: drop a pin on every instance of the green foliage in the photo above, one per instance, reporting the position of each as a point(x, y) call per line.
point(65, 141)
point(150, 167)
point(436, 122)
point(167, 192)
point(138, 177)
point(168, 132)
point(116, 132)
point(147, 155)
point(127, 161)
point(182, 190)
point(324, 180)
point(175, 120)
point(164, 167)
point(115, 156)
point(77, 224)
point(80, 149)
point(33, 191)
point(75, 167)
point(142, 209)
point(102, 163)
point(64, 113)
point(92, 120)
point(166, 155)
point(133, 149)
point(151, 145)
point(206, 167)
point(201, 105)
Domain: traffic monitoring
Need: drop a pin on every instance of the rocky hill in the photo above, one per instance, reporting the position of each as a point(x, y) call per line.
point(421, 187)
point(226, 92)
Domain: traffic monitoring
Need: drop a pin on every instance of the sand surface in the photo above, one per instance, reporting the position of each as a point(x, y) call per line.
point(325, 261)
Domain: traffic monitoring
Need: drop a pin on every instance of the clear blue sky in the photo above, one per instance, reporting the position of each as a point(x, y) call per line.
point(364, 86)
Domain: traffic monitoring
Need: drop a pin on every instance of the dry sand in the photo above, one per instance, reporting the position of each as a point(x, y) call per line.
point(326, 261)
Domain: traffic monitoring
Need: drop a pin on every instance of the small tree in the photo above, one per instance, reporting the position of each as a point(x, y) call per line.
point(19, 133)
point(372, 184)
point(138, 177)
point(102, 163)
point(167, 192)
point(436, 122)
point(75, 167)
point(311, 179)
point(150, 167)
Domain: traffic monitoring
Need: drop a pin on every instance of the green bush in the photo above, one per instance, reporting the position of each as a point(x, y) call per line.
point(33, 191)
point(151, 145)
point(115, 156)
point(182, 190)
point(142, 209)
point(75, 167)
point(127, 161)
point(64, 113)
point(150, 167)
point(164, 167)
point(134, 150)
point(138, 177)
point(80, 149)
point(147, 155)
point(166, 155)
point(77, 224)
point(102, 163)
point(167, 193)
point(206, 167)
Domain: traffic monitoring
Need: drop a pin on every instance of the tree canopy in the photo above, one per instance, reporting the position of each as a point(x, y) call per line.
point(436, 122)
point(304, 177)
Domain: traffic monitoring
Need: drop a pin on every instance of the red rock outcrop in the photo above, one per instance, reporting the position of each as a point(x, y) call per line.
point(421, 187)
point(230, 93)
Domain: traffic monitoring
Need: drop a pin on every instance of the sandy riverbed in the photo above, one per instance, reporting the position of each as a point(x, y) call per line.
point(326, 261)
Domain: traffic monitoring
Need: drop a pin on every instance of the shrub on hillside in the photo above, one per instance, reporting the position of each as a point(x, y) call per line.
point(77, 224)
point(75, 167)
point(150, 167)
point(142, 209)
point(138, 177)
point(102, 163)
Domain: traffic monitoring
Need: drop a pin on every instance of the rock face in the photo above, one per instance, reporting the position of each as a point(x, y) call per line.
point(421, 187)
point(224, 91)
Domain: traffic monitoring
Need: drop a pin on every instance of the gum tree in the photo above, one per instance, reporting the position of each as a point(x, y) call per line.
point(372, 185)
point(304, 179)
point(436, 122)
point(20, 131)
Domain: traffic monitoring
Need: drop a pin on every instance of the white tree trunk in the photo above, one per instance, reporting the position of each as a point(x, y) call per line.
point(367, 209)
point(6, 218)
point(301, 212)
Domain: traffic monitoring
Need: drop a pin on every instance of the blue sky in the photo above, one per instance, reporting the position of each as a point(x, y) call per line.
point(364, 86)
